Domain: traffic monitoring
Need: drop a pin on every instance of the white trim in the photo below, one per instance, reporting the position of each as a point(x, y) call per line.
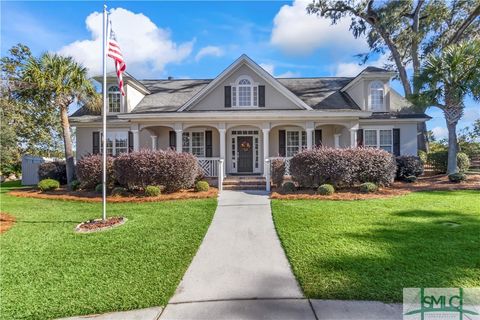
point(234, 169)
point(384, 100)
point(189, 132)
point(108, 98)
point(236, 85)
point(378, 144)
point(245, 60)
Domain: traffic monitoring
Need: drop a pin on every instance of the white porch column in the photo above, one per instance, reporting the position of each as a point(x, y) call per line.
point(309, 133)
point(353, 137)
point(336, 139)
point(223, 146)
point(154, 142)
point(136, 140)
point(266, 148)
point(179, 140)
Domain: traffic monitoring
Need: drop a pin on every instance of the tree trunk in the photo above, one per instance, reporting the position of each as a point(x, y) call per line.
point(422, 138)
point(67, 139)
point(452, 147)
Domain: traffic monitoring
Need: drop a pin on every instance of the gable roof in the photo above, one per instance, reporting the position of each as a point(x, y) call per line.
point(244, 60)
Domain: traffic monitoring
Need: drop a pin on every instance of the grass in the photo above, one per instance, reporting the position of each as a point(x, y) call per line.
point(48, 271)
point(371, 249)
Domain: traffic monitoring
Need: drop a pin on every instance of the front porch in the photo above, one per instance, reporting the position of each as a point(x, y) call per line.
point(243, 147)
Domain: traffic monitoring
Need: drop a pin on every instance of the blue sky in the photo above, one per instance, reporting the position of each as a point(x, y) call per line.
point(196, 39)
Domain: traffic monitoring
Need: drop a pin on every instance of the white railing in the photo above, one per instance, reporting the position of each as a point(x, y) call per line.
point(287, 163)
point(209, 166)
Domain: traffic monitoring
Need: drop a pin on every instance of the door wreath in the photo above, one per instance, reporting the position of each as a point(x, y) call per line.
point(245, 146)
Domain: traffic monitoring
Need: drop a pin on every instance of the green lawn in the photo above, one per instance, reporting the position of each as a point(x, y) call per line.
point(370, 250)
point(48, 271)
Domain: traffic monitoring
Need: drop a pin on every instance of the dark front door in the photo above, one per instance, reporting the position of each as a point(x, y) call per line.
point(245, 154)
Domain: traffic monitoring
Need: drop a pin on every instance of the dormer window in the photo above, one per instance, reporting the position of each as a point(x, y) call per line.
point(244, 93)
point(114, 99)
point(377, 96)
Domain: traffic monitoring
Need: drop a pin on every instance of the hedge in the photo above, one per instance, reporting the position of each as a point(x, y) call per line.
point(439, 161)
point(56, 170)
point(408, 166)
point(278, 172)
point(342, 167)
point(139, 169)
point(89, 171)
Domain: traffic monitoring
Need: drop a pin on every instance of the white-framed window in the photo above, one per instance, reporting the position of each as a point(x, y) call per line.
point(244, 93)
point(117, 143)
point(379, 138)
point(114, 97)
point(295, 142)
point(377, 96)
point(194, 143)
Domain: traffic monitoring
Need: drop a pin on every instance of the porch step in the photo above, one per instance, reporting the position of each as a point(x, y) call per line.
point(244, 183)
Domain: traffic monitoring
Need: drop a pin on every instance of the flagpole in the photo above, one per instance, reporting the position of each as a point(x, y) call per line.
point(104, 117)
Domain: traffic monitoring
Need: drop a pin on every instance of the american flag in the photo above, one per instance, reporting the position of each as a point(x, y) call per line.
point(115, 53)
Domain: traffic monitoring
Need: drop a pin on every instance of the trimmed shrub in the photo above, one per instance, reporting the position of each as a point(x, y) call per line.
point(99, 188)
point(463, 162)
point(173, 170)
point(56, 170)
point(423, 156)
point(89, 171)
point(342, 167)
point(457, 177)
point(152, 191)
point(278, 171)
point(288, 186)
point(75, 185)
point(408, 166)
point(368, 187)
point(48, 184)
point(439, 161)
point(119, 192)
point(326, 189)
point(410, 179)
point(201, 186)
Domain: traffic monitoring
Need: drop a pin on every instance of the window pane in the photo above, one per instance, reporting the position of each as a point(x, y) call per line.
point(244, 82)
point(385, 137)
point(234, 96)
point(376, 96)
point(197, 144)
point(255, 96)
point(387, 148)
point(293, 143)
point(244, 96)
point(113, 99)
point(371, 138)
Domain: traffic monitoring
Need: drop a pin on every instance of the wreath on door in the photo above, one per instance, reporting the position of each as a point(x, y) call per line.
point(245, 146)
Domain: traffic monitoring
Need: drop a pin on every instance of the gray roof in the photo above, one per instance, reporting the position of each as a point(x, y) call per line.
point(321, 93)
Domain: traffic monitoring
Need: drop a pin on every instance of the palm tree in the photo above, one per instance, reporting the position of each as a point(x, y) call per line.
point(446, 79)
point(60, 81)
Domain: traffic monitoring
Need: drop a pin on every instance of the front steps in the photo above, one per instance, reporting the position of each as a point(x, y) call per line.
point(244, 183)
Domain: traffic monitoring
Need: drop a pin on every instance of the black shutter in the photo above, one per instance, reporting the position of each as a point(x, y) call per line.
point(261, 96)
point(228, 96)
point(318, 138)
point(359, 137)
point(173, 140)
point(396, 142)
point(281, 143)
point(96, 142)
point(130, 141)
point(208, 144)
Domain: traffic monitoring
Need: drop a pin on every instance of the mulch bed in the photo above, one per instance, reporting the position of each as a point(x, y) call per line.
point(6, 221)
point(100, 225)
point(88, 196)
point(428, 183)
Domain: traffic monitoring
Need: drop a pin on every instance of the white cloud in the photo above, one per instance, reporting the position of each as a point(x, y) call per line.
point(209, 51)
point(440, 133)
point(297, 32)
point(145, 47)
point(351, 69)
point(270, 68)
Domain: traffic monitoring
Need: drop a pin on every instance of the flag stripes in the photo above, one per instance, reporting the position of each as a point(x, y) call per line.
point(115, 53)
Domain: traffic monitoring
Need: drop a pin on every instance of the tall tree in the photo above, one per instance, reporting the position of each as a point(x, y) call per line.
point(407, 29)
point(446, 79)
point(60, 81)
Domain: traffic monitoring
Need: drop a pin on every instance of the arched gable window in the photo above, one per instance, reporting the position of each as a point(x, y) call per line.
point(244, 93)
point(113, 99)
point(377, 96)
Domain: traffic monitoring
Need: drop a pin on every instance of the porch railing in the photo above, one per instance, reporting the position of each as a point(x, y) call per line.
point(287, 163)
point(209, 166)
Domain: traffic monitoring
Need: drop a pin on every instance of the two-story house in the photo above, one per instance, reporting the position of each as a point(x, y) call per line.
point(246, 116)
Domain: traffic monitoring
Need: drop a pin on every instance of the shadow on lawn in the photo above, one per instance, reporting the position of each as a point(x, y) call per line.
point(420, 251)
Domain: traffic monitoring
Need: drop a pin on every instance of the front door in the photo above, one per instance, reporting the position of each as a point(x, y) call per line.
point(245, 154)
